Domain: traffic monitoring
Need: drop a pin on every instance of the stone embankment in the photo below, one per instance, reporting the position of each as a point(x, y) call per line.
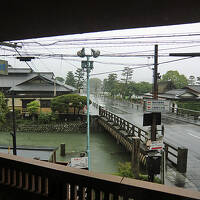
point(69, 127)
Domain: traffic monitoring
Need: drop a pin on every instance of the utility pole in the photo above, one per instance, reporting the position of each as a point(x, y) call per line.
point(88, 65)
point(14, 125)
point(155, 92)
point(13, 100)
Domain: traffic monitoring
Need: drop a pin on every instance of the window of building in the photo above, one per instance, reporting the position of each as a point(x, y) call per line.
point(25, 102)
point(45, 103)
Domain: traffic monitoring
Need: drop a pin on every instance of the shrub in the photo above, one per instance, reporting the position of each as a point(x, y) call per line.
point(61, 104)
point(3, 109)
point(46, 118)
point(33, 107)
point(125, 170)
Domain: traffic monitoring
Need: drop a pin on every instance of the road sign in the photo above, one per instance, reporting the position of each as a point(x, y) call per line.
point(80, 162)
point(156, 145)
point(148, 118)
point(153, 105)
point(3, 67)
point(85, 64)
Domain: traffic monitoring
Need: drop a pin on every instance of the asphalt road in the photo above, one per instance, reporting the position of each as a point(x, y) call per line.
point(178, 133)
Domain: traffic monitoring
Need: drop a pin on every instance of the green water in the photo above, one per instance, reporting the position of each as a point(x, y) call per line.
point(105, 153)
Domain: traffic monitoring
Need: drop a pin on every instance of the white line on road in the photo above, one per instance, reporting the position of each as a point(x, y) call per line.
point(194, 135)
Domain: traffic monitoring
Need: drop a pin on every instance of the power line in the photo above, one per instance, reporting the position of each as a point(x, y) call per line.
point(166, 42)
point(144, 66)
point(192, 34)
point(25, 61)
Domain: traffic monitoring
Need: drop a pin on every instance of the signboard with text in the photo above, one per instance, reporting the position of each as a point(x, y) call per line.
point(153, 105)
point(3, 67)
point(80, 162)
point(156, 145)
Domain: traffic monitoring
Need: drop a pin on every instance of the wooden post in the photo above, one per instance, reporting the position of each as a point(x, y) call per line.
point(155, 93)
point(166, 151)
point(182, 159)
point(54, 157)
point(99, 110)
point(135, 156)
point(139, 133)
point(62, 149)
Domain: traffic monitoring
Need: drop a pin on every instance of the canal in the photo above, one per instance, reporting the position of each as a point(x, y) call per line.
point(105, 153)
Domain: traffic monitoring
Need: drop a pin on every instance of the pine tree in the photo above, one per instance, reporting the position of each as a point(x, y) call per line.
point(127, 76)
point(70, 79)
point(79, 78)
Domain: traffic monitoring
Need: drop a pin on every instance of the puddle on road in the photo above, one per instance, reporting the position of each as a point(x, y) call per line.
point(178, 179)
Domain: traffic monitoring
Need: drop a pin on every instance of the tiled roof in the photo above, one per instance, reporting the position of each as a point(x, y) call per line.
point(18, 80)
point(42, 88)
point(196, 88)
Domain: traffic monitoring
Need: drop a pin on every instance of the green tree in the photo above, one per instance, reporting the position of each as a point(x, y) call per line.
point(142, 87)
point(127, 76)
point(3, 109)
point(70, 79)
point(105, 85)
point(136, 88)
point(61, 104)
point(33, 108)
point(79, 78)
point(61, 79)
point(179, 80)
point(112, 84)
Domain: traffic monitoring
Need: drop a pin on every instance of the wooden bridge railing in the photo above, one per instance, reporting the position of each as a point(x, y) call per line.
point(130, 128)
point(22, 178)
point(176, 155)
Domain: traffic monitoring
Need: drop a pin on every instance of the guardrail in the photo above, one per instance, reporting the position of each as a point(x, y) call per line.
point(22, 178)
point(186, 113)
point(176, 155)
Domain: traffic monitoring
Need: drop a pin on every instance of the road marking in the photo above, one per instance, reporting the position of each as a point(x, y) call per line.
point(194, 135)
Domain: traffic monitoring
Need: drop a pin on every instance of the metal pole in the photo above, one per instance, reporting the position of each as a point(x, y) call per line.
point(89, 66)
point(88, 112)
point(14, 126)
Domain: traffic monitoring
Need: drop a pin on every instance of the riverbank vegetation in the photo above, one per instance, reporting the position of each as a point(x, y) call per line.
point(62, 104)
point(64, 109)
point(124, 170)
point(3, 109)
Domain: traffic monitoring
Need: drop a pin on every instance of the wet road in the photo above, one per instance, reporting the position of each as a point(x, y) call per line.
point(178, 133)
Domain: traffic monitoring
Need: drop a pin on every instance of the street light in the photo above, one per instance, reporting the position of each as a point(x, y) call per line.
point(88, 65)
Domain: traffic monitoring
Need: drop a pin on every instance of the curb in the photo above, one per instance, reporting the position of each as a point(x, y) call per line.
point(182, 120)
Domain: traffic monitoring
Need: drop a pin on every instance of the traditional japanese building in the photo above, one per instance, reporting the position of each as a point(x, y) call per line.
point(27, 85)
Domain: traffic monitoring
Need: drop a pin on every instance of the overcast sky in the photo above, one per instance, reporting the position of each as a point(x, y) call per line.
point(123, 48)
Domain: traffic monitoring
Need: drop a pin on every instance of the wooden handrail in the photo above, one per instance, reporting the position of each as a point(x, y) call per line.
point(52, 181)
point(123, 124)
